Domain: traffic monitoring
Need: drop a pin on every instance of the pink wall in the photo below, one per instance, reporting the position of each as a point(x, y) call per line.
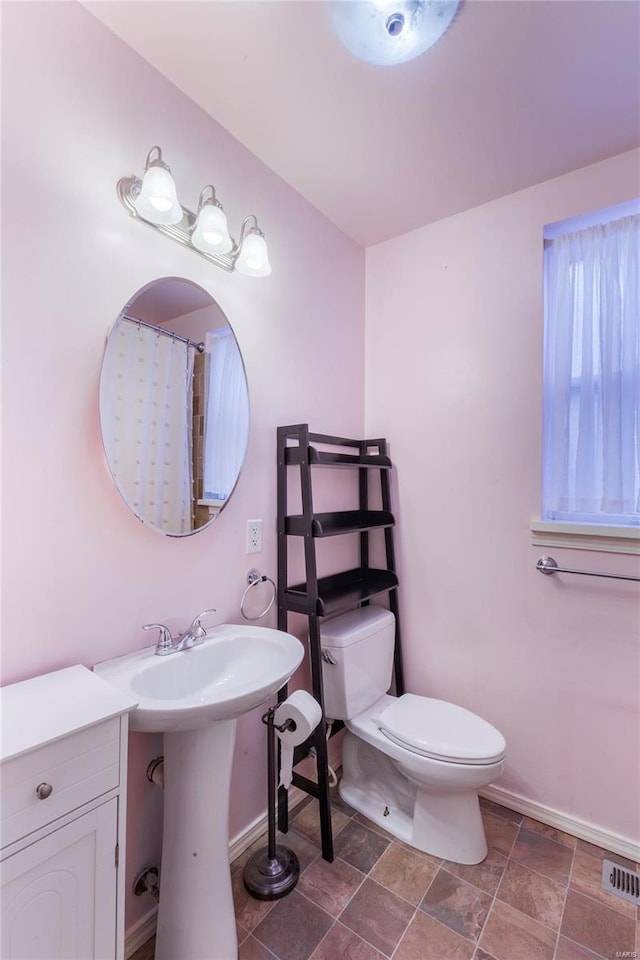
point(453, 377)
point(81, 574)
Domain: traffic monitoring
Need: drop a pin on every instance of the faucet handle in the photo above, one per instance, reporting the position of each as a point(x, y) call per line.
point(196, 629)
point(165, 641)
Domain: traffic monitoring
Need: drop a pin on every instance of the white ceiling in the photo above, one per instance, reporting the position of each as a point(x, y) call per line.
point(516, 92)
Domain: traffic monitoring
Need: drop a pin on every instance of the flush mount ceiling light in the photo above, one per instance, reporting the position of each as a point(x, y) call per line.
point(386, 32)
point(154, 201)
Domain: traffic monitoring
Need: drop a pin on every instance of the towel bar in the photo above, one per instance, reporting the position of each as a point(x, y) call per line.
point(548, 565)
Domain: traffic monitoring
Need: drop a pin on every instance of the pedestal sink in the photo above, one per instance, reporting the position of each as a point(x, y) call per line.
point(194, 698)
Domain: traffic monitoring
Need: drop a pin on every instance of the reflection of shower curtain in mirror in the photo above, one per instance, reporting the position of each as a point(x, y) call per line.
point(227, 422)
point(146, 389)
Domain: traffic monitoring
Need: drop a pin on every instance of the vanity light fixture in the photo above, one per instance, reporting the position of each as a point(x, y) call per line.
point(253, 256)
point(211, 233)
point(157, 200)
point(154, 201)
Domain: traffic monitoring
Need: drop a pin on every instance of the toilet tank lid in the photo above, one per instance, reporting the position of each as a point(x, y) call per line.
point(348, 628)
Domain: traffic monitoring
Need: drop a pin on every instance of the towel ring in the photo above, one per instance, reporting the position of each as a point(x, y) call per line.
point(253, 577)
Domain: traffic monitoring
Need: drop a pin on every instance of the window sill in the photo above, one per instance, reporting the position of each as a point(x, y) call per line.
point(583, 536)
point(214, 506)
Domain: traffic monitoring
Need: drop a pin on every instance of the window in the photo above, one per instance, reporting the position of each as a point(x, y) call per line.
point(591, 432)
point(227, 416)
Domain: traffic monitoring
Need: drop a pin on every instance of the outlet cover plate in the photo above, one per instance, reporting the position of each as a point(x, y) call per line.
point(254, 536)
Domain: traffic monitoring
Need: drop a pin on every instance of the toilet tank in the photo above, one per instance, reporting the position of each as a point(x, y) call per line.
point(361, 643)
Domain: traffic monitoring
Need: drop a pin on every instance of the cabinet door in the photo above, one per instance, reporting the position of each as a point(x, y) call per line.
point(59, 894)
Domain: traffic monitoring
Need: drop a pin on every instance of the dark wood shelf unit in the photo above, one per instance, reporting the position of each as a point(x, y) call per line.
point(340, 591)
point(319, 597)
point(322, 458)
point(334, 524)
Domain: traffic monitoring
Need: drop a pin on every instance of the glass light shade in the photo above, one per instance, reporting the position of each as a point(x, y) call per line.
point(253, 260)
point(211, 234)
point(387, 32)
point(158, 200)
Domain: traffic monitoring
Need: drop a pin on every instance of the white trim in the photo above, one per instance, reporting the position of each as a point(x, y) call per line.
point(624, 846)
point(243, 840)
point(585, 536)
point(140, 932)
point(145, 928)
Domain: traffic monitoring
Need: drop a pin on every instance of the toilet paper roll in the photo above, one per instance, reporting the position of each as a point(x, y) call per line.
point(306, 714)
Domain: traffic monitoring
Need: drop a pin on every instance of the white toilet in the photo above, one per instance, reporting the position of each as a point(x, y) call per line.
point(411, 764)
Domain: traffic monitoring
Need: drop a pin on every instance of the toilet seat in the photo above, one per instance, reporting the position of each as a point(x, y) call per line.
point(440, 730)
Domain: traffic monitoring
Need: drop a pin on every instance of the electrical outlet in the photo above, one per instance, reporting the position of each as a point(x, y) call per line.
point(254, 536)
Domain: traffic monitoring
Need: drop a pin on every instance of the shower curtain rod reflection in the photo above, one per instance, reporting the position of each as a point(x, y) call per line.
point(168, 333)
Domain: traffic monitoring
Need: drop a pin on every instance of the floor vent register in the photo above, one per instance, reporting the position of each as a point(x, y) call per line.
point(620, 881)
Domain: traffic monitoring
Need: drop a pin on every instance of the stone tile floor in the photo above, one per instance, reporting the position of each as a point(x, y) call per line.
point(537, 896)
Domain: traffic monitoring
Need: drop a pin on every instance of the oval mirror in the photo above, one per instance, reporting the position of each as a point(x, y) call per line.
point(174, 406)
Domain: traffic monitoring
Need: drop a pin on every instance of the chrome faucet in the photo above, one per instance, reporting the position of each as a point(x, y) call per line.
point(195, 634)
point(190, 638)
point(165, 640)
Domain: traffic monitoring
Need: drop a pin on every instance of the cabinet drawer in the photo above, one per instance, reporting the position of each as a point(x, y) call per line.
point(78, 768)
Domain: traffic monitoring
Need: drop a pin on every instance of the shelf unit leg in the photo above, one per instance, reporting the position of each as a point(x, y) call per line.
point(324, 797)
point(398, 671)
point(320, 741)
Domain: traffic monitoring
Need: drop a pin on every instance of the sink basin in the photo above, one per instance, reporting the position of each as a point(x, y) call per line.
point(233, 670)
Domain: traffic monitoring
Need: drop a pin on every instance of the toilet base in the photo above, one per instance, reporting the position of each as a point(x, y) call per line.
point(444, 822)
point(377, 807)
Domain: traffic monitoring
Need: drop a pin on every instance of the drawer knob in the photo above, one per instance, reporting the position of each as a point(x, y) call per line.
point(44, 790)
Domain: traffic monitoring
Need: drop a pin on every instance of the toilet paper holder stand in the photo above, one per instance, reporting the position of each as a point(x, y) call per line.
point(272, 871)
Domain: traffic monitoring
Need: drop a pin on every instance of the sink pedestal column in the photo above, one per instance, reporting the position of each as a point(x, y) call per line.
point(196, 919)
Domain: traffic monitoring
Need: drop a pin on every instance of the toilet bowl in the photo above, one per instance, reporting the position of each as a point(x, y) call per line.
point(411, 764)
point(429, 802)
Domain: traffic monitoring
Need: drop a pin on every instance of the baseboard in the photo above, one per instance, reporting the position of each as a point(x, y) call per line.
point(141, 931)
point(624, 846)
point(243, 840)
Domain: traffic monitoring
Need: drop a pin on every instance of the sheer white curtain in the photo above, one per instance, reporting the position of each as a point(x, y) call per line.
point(591, 450)
point(146, 404)
point(227, 422)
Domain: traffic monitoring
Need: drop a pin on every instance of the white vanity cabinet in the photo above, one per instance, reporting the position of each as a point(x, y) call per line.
point(62, 817)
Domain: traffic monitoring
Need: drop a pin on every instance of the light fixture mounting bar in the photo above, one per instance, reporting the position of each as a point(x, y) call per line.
point(128, 189)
